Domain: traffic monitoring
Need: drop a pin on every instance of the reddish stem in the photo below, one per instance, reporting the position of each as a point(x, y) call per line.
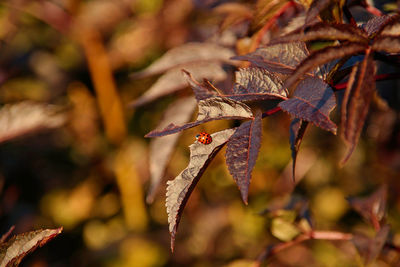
point(380, 77)
point(271, 112)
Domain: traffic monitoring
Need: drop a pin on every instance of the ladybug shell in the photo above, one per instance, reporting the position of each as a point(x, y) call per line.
point(204, 138)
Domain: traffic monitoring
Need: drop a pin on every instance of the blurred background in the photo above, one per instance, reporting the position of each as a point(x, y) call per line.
point(73, 152)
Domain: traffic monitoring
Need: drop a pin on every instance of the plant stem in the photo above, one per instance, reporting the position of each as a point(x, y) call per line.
point(380, 77)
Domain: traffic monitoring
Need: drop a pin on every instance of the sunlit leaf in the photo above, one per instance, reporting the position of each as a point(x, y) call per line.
point(14, 250)
point(324, 31)
point(296, 130)
point(356, 101)
point(373, 207)
point(215, 108)
point(161, 148)
point(179, 189)
point(201, 91)
point(389, 44)
point(174, 80)
point(187, 53)
point(242, 151)
point(377, 24)
point(28, 117)
point(323, 56)
point(281, 58)
point(257, 84)
point(265, 10)
point(370, 248)
point(312, 101)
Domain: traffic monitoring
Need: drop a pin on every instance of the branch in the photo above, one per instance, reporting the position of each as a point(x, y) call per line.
point(271, 112)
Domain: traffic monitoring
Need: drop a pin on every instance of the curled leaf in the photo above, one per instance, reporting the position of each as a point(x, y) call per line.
point(187, 53)
point(312, 101)
point(242, 151)
point(215, 108)
point(27, 117)
point(173, 81)
point(14, 250)
point(257, 84)
point(161, 148)
point(179, 189)
point(281, 58)
point(201, 91)
point(297, 129)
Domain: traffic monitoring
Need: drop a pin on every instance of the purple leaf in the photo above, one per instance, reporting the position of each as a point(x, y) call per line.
point(297, 129)
point(324, 31)
point(242, 151)
point(215, 108)
point(376, 25)
point(187, 53)
point(14, 250)
point(201, 91)
point(281, 58)
point(161, 148)
point(257, 84)
point(389, 44)
point(373, 207)
point(357, 98)
point(179, 189)
point(28, 117)
point(173, 81)
point(312, 101)
point(323, 56)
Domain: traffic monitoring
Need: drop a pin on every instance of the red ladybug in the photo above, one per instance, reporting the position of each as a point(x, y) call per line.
point(204, 138)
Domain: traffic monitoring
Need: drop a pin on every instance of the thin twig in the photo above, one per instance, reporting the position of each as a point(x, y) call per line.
point(380, 77)
point(271, 112)
point(6, 235)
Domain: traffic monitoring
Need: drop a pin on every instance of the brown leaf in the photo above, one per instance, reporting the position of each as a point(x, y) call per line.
point(323, 56)
point(373, 207)
point(174, 80)
point(179, 189)
point(257, 84)
point(281, 58)
point(356, 101)
point(215, 108)
point(324, 31)
point(242, 151)
point(201, 91)
point(12, 252)
point(265, 10)
point(370, 248)
point(389, 44)
point(312, 101)
point(315, 8)
point(376, 25)
point(28, 117)
point(297, 129)
point(161, 148)
point(187, 53)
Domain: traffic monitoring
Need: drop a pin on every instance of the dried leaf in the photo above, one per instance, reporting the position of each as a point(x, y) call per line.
point(312, 101)
point(315, 8)
point(12, 252)
point(215, 108)
point(28, 117)
point(179, 189)
point(377, 24)
point(296, 130)
point(355, 106)
point(242, 151)
point(324, 31)
point(281, 58)
point(373, 207)
point(389, 44)
point(257, 84)
point(173, 80)
point(161, 148)
point(323, 56)
point(369, 249)
point(187, 53)
point(201, 91)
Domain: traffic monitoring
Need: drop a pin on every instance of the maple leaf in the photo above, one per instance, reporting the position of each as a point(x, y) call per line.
point(179, 189)
point(161, 148)
point(356, 101)
point(215, 108)
point(280, 58)
point(296, 130)
point(257, 84)
point(14, 250)
point(242, 151)
point(312, 101)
